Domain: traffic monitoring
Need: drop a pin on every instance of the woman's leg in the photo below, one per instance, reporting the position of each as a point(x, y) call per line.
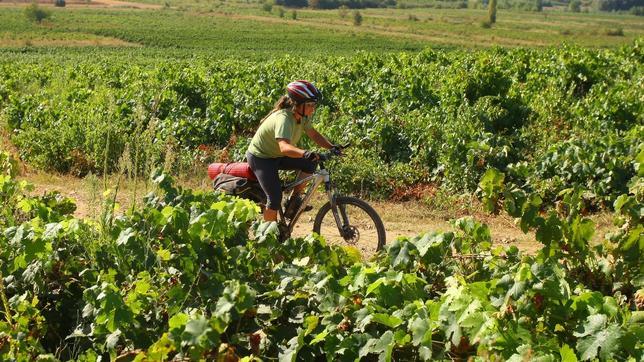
point(266, 171)
point(305, 167)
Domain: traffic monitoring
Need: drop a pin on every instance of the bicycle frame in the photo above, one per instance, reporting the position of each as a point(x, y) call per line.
point(318, 177)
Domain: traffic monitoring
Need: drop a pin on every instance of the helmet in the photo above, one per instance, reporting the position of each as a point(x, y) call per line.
point(303, 91)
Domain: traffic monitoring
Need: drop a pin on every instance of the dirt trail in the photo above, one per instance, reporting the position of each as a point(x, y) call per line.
point(400, 218)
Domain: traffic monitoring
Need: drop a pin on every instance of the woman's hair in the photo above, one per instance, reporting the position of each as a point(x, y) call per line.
point(285, 102)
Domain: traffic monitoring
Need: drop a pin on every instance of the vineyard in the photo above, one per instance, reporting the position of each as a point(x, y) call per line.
point(549, 118)
point(544, 136)
point(180, 278)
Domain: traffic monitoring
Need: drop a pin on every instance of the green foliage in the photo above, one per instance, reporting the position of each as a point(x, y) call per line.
point(35, 13)
point(491, 11)
point(357, 18)
point(180, 278)
point(550, 118)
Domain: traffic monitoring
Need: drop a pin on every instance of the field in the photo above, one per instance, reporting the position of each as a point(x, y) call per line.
point(505, 161)
point(245, 30)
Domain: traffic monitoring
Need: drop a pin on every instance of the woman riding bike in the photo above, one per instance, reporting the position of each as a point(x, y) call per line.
point(274, 145)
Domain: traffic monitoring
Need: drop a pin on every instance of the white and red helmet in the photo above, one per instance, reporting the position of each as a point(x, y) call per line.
point(303, 91)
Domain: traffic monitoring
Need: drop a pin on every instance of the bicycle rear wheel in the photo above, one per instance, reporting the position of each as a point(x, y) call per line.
point(360, 227)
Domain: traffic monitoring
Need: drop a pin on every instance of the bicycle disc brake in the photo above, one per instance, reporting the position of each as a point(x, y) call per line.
point(351, 234)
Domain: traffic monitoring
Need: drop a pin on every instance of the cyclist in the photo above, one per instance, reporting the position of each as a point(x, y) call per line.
point(274, 145)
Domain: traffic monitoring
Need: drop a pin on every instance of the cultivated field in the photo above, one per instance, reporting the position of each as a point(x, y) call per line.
point(504, 159)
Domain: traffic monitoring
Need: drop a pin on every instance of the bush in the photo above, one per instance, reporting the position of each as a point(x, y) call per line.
point(59, 3)
point(412, 17)
point(294, 15)
point(343, 11)
point(357, 18)
point(267, 7)
point(280, 12)
point(574, 6)
point(492, 11)
point(637, 10)
point(35, 13)
point(486, 24)
point(614, 32)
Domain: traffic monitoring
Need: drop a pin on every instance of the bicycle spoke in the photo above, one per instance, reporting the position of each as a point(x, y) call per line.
point(358, 229)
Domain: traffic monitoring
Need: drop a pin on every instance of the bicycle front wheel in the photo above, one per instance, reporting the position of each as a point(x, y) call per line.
point(359, 225)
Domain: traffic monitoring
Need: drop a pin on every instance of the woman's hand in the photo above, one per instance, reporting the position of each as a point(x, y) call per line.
point(311, 156)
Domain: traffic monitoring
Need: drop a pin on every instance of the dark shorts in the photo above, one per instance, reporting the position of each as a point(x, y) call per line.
point(266, 171)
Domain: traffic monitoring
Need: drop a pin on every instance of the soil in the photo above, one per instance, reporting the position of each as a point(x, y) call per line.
point(401, 219)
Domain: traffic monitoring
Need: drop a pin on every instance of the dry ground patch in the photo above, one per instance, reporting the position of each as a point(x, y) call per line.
point(400, 218)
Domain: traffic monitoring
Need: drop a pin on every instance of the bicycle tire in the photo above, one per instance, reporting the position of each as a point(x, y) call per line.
point(352, 201)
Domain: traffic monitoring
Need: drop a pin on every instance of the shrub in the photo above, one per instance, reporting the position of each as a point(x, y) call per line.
point(492, 12)
point(486, 24)
point(412, 17)
point(35, 13)
point(343, 11)
point(294, 15)
point(280, 12)
point(637, 10)
point(574, 6)
point(59, 3)
point(614, 32)
point(357, 18)
point(267, 7)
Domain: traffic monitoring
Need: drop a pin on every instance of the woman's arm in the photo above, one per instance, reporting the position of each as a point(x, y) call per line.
point(288, 149)
point(318, 138)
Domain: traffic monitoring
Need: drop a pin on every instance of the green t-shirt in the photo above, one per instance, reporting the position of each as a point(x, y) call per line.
point(280, 124)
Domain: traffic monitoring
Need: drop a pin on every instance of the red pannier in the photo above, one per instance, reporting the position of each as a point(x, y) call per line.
point(238, 169)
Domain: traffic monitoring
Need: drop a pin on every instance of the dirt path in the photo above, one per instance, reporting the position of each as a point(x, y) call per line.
point(400, 218)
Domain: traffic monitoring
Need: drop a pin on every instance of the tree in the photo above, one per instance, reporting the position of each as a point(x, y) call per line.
point(491, 11)
point(538, 5)
point(35, 13)
point(357, 18)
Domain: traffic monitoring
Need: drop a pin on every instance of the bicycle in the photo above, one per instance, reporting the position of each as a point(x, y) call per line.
point(343, 219)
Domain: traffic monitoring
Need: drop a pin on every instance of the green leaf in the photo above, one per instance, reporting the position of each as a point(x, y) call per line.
point(113, 339)
point(598, 338)
point(582, 232)
point(163, 254)
point(320, 337)
point(311, 322)
point(178, 320)
point(125, 236)
point(567, 354)
point(399, 253)
point(610, 306)
point(196, 331)
point(387, 320)
point(373, 286)
point(421, 331)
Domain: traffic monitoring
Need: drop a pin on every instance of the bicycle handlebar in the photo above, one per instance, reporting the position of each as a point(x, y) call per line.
point(326, 156)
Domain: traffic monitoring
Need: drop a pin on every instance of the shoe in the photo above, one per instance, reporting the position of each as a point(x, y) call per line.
point(293, 204)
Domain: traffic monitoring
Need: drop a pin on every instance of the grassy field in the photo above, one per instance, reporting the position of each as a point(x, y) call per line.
point(241, 29)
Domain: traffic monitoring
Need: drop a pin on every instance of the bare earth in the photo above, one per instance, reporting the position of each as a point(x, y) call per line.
point(400, 218)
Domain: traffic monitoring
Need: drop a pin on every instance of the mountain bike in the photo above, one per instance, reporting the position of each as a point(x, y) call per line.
point(342, 219)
